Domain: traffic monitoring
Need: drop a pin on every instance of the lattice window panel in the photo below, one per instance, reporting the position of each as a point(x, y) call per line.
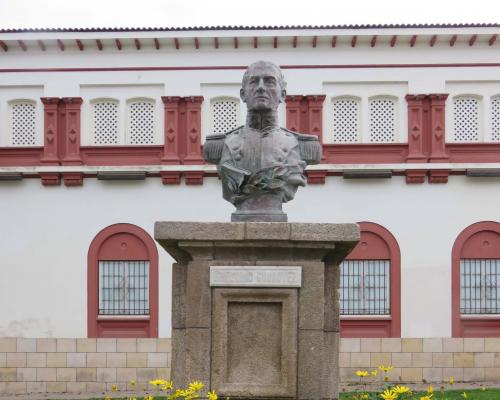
point(346, 120)
point(382, 120)
point(141, 120)
point(466, 119)
point(495, 119)
point(105, 123)
point(23, 120)
point(225, 115)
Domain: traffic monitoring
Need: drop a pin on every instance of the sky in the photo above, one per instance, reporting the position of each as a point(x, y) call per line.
point(186, 13)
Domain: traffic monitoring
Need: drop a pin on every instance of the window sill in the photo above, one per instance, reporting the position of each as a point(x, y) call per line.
point(366, 317)
point(479, 316)
point(123, 317)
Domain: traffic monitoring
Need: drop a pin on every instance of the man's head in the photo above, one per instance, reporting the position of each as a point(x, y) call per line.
point(263, 87)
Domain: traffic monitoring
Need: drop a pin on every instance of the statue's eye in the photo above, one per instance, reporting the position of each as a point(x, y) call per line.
point(270, 80)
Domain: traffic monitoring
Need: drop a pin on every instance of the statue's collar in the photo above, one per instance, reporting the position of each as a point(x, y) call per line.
point(262, 121)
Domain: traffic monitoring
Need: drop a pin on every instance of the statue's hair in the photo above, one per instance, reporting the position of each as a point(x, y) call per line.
point(281, 78)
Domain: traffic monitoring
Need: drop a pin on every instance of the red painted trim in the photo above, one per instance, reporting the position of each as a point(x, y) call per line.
point(417, 128)
point(20, 156)
point(193, 130)
point(137, 44)
point(393, 40)
point(122, 155)
point(479, 240)
point(453, 40)
point(334, 41)
point(294, 42)
point(413, 40)
point(474, 152)
point(255, 43)
point(171, 132)
point(51, 129)
point(314, 41)
point(196, 43)
point(41, 44)
point(176, 43)
point(4, 46)
point(377, 243)
point(193, 177)
point(472, 40)
point(275, 42)
point(415, 176)
point(121, 242)
point(373, 42)
point(365, 153)
point(316, 177)
point(235, 42)
point(492, 40)
point(239, 67)
point(433, 40)
point(72, 179)
point(315, 115)
point(98, 44)
point(439, 175)
point(50, 178)
point(216, 42)
point(22, 45)
point(170, 177)
point(118, 44)
point(353, 41)
point(156, 43)
point(71, 131)
point(60, 44)
point(80, 44)
point(438, 129)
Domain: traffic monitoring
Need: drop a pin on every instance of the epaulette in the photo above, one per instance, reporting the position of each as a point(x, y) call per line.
point(214, 144)
point(310, 148)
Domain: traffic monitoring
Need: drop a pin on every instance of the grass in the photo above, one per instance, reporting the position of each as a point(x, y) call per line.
point(474, 394)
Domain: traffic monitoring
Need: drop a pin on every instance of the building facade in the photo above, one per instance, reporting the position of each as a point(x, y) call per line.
point(100, 136)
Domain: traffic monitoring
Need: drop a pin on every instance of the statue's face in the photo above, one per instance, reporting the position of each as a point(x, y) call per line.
point(262, 91)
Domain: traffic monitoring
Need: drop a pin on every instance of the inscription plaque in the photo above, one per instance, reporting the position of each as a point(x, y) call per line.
point(255, 276)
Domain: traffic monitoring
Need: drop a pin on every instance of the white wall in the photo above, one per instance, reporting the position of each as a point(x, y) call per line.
point(46, 232)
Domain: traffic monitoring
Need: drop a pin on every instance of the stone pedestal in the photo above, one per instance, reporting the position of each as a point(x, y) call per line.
point(255, 306)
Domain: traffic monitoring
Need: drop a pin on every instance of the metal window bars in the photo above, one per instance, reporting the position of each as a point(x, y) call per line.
point(123, 288)
point(480, 286)
point(365, 287)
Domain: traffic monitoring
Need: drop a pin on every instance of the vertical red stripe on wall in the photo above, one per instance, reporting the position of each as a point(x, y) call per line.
point(171, 129)
point(50, 130)
point(71, 131)
point(438, 138)
point(193, 130)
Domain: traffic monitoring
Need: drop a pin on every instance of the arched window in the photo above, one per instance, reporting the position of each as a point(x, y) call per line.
point(122, 283)
point(225, 114)
point(370, 294)
point(346, 119)
point(383, 119)
point(466, 118)
point(105, 121)
point(476, 281)
point(141, 121)
point(22, 121)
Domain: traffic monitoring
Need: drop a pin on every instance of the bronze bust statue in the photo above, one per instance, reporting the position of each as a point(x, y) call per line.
point(261, 164)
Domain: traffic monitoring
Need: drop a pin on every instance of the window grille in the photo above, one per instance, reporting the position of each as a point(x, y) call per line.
point(466, 119)
point(495, 119)
point(123, 288)
point(345, 120)
point(106, 122)
point(23, 123)
point(365, 287)
point(141, 122)
point(225, 115)
point(382, 120)
point(480, 286)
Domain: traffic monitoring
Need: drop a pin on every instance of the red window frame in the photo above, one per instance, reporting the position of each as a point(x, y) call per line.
point(115, 243)
point(377, 243)
point(478, 241)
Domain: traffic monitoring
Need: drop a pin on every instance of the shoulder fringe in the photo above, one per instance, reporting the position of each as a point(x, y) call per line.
point(310, 149)
point(212, 149)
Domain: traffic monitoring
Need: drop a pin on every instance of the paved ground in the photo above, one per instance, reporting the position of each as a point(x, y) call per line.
point(347, 388)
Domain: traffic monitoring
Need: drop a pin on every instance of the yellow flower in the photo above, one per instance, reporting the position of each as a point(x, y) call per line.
point(375, 372)
point(167, 385)
point(107, 398)
point(386, 379)
point(430, 389)
point(386, 369)
point(133, 382)
point(149, 398)
point(212, 395)
point(388, 394)
point(195, 386)
point(364, 396)
point(452, 381)
point(114, 388)
point(427, 397)
point(362, 374)
point(156, 382)
point(400, 389)
point(464, 395)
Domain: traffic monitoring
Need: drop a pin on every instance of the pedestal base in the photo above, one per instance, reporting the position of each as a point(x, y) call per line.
point(257, 332)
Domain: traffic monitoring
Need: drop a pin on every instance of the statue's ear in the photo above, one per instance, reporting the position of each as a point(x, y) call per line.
point(283, 95)
point(242, 95)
